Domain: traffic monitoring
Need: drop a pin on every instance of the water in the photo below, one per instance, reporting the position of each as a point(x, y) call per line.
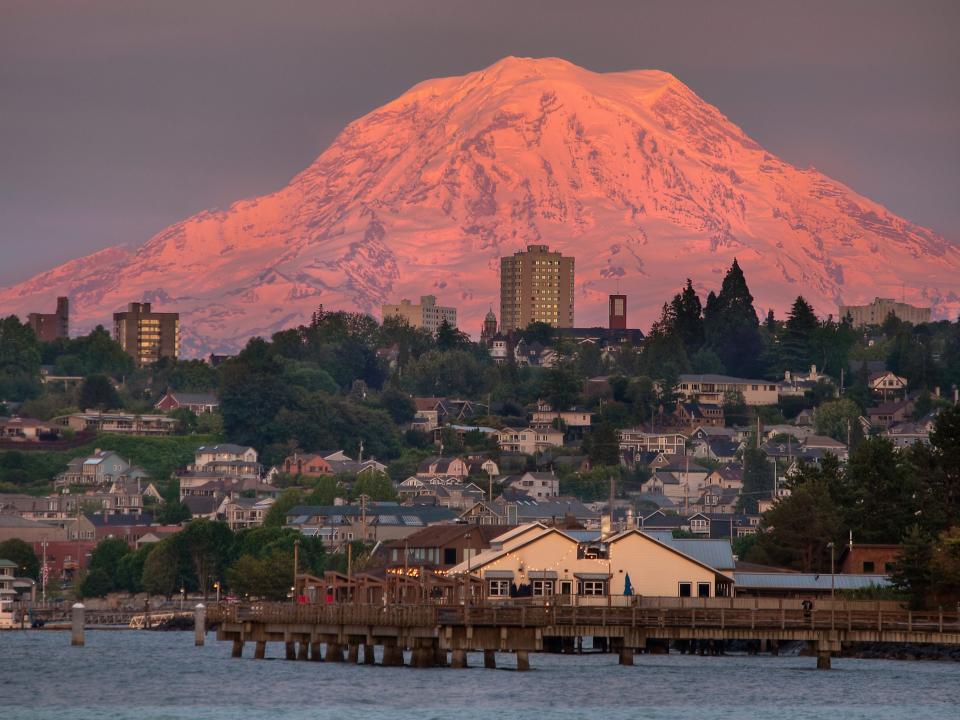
point(145, 675)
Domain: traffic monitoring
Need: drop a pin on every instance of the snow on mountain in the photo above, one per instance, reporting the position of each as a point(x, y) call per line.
point(630, 172)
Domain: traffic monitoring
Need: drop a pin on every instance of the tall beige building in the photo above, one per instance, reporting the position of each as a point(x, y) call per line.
point(145, 335)
point(536, 285)
point(876, 312)
point(427, 315)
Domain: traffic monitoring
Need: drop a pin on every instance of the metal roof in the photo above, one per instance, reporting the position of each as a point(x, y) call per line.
point(808, 581)
point(713, 553)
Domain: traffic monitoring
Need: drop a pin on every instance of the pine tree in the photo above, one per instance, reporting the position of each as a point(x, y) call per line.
point(687, 314)
point(796, 345)
point(731, 325)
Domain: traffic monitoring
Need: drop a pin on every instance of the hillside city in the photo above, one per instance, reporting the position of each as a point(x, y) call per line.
point(776, 457)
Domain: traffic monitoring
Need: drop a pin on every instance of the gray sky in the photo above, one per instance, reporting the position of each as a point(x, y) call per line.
point(119, 117)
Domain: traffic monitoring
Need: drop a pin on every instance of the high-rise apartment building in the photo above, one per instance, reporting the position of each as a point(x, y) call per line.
point(876, 312)
point(427, 315)
point(145, 335)
point(50, 326)
point(536, 285)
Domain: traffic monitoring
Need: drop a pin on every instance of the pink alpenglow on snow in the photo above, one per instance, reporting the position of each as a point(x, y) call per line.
point(644, 183)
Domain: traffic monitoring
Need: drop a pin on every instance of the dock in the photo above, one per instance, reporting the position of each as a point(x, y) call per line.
point(441, 635)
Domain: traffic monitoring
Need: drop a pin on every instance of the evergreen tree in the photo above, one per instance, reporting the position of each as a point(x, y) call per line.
point(687, 314)
point(731, 326)
point(796, 344)
point(912, 572)
point(758, 478)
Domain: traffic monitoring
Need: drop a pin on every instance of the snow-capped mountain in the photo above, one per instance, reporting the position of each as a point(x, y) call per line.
point(630, 172)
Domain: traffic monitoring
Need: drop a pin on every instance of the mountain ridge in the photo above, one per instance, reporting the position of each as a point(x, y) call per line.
point(631, 172)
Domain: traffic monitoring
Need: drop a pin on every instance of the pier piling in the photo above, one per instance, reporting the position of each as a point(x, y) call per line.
point(199, 624)
point(260, 650)
point(368, 655)
point(77, 625)
point(523, 660)
point(490, 659)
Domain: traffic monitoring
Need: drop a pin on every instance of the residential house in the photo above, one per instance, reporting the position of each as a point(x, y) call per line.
point(197, 403)
point(536, 485)
point(528, 441)
point(8, 595)
point(101, 469)
point(208, 455)
point(827, 445)
point(702, 524)
point(445, 466)
point(549, 562)
point(718, 450)
point(634, 441)
point(482, 465)
point(869, 559)
point(714, 389)
point(18, 429)
point(889, 413)
point(428, 413)
point(560, 510)
point(798, 384)
point(120, 423)
point(442, 546)
point(546, 416)
point(888, 385)
point(372, 522)
point(307, 465)
point(904, 434)
point(716, 499)
point(804, 418)
point(241, 513)
point(729, 476)
point(693, 415)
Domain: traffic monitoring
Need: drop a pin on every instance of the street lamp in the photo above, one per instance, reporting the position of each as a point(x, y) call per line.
point(216, 586)
point(833, 586)
point(183, 596)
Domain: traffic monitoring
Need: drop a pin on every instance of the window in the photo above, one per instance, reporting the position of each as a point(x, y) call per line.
point(592, 587)
point(449, 556)
point(499, 588)
point(542, 587)
point(566, 587)
point(686, 589)
point(703, 589)
point(868, 566)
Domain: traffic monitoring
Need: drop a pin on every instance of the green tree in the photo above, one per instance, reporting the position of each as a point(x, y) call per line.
point(375, 485)
point(797, 341)
point(17, 551)
point(19, 360)
point(561, 385)
point(912, 572)
point(797, 531)
point(106, 556)
point(398, 405)
point(96, 583)
point(207, 544)
point(687, 314)
point(881, 500)
point(98, 393)
point(162, 571)
point(269, 578)
point(837, 418)
point(758, 478)
point(602, 446)
point(276, 516)
point(731, 327)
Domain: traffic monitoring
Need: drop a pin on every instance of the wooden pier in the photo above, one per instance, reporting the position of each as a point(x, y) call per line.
point(431, 632)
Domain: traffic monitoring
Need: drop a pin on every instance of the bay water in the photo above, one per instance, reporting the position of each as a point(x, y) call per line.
point(154, 675)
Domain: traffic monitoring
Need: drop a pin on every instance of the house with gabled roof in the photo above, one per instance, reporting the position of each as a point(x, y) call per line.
point(195, 402)
point(544, 562)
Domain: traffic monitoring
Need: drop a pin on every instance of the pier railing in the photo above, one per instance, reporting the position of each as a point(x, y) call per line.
point(840, 616)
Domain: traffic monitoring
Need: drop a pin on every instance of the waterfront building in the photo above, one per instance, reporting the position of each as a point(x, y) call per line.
point(536, 285)
point(145, 335)
point(714, 389)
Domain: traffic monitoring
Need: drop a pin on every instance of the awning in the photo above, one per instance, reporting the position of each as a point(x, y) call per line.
point(591, 576)
point(543, 575)
point(498, 575)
